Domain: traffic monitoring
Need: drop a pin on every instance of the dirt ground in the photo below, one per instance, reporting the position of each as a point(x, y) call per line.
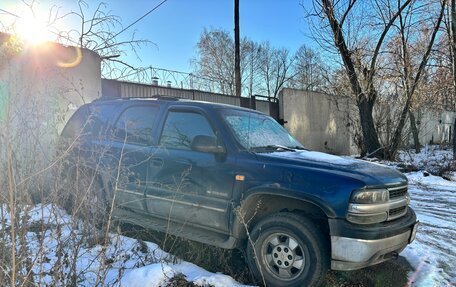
point(392, 273)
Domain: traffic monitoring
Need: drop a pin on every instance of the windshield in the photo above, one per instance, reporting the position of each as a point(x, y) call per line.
point(257, 132)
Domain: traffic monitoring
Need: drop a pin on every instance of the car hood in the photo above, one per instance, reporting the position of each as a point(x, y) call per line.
point(372, 174)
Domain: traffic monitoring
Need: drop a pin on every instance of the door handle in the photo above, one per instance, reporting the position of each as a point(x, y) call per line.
point(156, 162)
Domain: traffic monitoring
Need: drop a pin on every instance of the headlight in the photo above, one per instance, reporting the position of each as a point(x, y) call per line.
point(370, 196)
point(368, 206)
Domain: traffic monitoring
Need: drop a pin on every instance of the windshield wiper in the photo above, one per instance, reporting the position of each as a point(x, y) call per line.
point(297, 147)
point(273, 148)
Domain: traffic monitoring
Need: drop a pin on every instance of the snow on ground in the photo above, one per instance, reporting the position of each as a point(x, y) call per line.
point(59, 239)
point(431, 158)
point(433, 253)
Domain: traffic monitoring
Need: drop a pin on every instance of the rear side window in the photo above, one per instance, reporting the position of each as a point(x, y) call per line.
point(136, 125)
point(181, 127)
point(76, 123)
point(87, 121)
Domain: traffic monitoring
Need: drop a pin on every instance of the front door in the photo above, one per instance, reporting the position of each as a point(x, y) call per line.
point(188, 186)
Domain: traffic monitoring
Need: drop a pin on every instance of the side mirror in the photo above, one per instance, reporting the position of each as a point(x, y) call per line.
point(207, 144)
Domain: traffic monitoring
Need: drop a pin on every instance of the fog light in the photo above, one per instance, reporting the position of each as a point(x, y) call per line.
point(367, 218)
point(413, 233)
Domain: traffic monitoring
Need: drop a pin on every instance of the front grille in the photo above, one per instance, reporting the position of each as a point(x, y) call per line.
point(398, 202)
point(396, 212)
point(397, 192)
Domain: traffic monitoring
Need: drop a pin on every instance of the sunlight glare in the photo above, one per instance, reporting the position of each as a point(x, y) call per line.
point(32, 30)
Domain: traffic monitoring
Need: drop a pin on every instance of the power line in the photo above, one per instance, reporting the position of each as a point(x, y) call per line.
point(140, 18)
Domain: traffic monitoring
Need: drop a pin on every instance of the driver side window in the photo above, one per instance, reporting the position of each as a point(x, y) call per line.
point(181, 128)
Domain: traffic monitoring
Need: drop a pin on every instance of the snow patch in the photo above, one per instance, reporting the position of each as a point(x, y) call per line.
point(316, 156)
point(148, 276)
point(433, 253)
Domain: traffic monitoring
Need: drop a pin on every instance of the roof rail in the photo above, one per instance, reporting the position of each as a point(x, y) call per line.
point(158, 97)
point(104, 98)
point(168, 98)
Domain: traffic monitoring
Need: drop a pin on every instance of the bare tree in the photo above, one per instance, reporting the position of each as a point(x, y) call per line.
point(359, 31)
point(253, 65)
point(215, 60)
point(452, 40)
point(411, 81)
point(99, 31)
point(439, 88)
point(264, 68)
point(310, 71)
point(453, 58)
point(365, 96)
point(275, 68)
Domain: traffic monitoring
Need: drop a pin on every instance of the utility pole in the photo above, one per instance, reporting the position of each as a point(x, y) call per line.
point(237, 53)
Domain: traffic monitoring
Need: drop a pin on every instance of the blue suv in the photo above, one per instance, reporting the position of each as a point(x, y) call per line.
point(235, 178)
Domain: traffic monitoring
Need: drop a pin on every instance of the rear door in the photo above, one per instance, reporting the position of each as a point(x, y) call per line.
point(188, 186)
point(131, 148)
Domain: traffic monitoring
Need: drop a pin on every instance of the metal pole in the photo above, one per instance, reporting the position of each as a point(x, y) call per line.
point(237, 53)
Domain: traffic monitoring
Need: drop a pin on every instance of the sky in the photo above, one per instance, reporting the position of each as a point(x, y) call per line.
point(176, 26)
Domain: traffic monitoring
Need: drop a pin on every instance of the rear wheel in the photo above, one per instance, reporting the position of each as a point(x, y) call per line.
point(85, 196)
point(98, 205)
point(288, 250)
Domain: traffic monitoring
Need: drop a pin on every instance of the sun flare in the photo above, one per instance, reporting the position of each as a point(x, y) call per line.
point(32, 30)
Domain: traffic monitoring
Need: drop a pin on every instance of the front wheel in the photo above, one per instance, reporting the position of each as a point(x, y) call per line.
point(287, 250)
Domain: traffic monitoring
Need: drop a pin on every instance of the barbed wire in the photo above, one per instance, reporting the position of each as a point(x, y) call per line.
point(172, 78)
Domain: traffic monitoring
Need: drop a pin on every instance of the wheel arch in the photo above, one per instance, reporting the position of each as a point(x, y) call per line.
point(261, 203)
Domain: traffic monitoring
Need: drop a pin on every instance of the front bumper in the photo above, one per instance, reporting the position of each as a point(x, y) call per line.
point(354, 247)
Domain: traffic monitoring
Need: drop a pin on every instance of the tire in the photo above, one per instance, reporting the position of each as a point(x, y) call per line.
point(86, 198)
point(289, 250)
point(98, 206)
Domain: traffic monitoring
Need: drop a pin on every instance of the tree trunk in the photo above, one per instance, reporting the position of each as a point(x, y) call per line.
point(454, 139)
point(416, 139)
point(397, 137)
point(237, 51)
point(371, 144)
point(453, 42)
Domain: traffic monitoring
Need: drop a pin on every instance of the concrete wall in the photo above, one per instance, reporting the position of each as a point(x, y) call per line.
point(317, 120)
point(40, 88)
point(435, 127)
point(56, 78)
